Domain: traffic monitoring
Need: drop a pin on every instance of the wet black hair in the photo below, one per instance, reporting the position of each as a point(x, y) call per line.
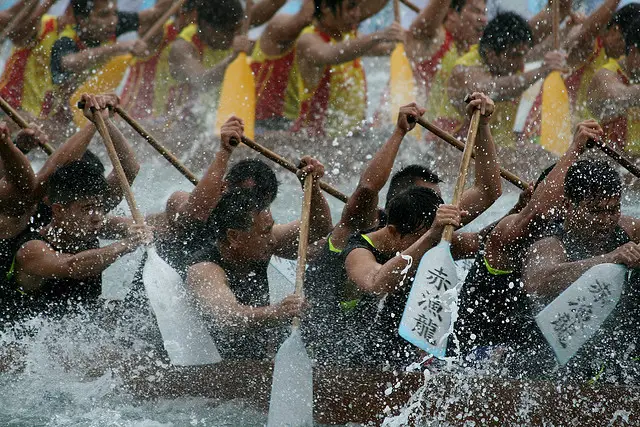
point(413, 210)
point(82, 8)
point(407, 176)
point(624, 17)
point(632, 36)
point(235, 211)
point(91, 158)
point(507, 30)
point(458, 5)
point(76, 181)
point(591, 178)
point(223, 15)
point(334, 5)
point(263, 177)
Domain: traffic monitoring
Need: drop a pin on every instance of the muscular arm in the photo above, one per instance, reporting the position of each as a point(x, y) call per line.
point(358, 213)
point(208, 283)
point(547, 272)
point(369, 276)
point(148, 17)
point(580, 44)
point(426, 24)
point(286, 235)
point(187, 68)
point(91, 58)
point(283, 30)
point(36, 261)
point(371, 7)
point(264, 10)
point(129, 163)
point(474, 79)
point(18, 176)
point(609, 97)
point(315, 51)
point(487, 187)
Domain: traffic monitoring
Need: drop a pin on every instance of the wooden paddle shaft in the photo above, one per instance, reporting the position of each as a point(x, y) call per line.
point(18, 19)
point(157, 146)
point(396, 10)
point(411, 5)
point(159, 24)
point(117, 167)
point(464, 167)
point(615, 155)
point(303, 243)
point(9, 111)
point(247, 20)
point(291, 167)
point(555, 10)
point(450, 139)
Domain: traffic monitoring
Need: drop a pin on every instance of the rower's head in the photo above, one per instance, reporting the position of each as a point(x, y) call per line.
point(77, 192)
point(253, 173)
point(592, 190)
point(505, 42)
point(466, 20)
point(242, 224)
point(613, 38)
point(410, 215)
point(338, 15)
point(632, 45)
point(219, 21)
point(412, 176)
point(96, 19)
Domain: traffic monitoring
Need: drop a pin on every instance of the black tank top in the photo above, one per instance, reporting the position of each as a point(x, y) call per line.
point(251, 288)
point(57, 297)
point(8, 292)
point(376, 320)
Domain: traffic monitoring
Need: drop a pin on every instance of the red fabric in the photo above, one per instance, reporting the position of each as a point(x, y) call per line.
point(272, 79)
point(615, 130)
point(428, 68)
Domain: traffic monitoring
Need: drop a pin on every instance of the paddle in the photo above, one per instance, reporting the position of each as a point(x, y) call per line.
point(411, 6)
point(292, 387)
point(185, 336)
point(402, 86)
point(615, 155)
point(431, 308)
point(9, 111)
point(108, 78)
point(447, 137)
point(577, 313)
point(555, 132)
point(238, 93)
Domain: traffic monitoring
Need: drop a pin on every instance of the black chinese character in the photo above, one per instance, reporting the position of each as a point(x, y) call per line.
point(426, 327)
point(582, 310)
point(432, 305)
point(438, 278)
point(564, 327)
point(601, 292)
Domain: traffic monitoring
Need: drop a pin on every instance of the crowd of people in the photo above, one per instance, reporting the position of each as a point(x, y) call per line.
point(310, 80)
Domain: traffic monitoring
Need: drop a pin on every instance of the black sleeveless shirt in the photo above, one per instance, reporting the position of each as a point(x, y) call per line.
point(250, 286)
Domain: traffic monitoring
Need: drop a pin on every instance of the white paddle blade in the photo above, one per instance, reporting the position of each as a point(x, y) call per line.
point(578, 312)
point(185, 336)
point(292, 387)
point(432, 306)
point(281, 274)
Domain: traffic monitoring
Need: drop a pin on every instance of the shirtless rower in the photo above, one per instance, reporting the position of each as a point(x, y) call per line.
point(493, 290)
point(229, 279)
point(374, 261)
point(593, 232)
point(495, 66)
point(615, 95)
point(331, 80)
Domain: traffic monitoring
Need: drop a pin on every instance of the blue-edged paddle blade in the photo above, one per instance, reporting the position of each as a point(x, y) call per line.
point(571, 319)
point(428, 314)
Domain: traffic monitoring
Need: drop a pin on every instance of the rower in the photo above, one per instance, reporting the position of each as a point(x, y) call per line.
point(82, 48)
point(58, 269)
point(593, 232)
point(415, 219)
point(330, 76)
point(229, 278)
point(443, 32)
point(200, 55)
point(493, 289)
point(495, 66)
point(615, 95)
point(613, 38)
